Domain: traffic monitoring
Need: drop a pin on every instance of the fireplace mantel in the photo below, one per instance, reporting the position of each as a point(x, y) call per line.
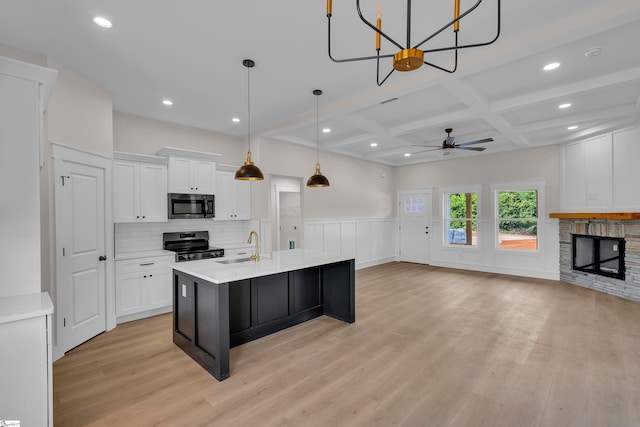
point(619, 216)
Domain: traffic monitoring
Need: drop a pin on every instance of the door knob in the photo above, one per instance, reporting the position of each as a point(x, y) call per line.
point(102, 258)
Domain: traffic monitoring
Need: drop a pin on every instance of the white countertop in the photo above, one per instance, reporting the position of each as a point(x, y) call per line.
point(23, 307)
point(215, 272)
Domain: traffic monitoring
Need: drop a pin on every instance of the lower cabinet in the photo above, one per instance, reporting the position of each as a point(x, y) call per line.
point(262, 305)
point(209, 318)
point(143, 284)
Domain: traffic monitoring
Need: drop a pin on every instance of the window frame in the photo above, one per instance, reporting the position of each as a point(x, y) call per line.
point(446, 192)
point(538, 186)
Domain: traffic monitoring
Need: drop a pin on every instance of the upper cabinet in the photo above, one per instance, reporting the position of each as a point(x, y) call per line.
point(600, 174)
point(190, 172)
point(139, 189)
point(233, 197)
point(191, 176)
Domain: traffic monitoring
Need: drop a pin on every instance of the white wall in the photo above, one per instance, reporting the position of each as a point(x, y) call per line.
point(358, 188)
point(538, 164)
point(141, 135)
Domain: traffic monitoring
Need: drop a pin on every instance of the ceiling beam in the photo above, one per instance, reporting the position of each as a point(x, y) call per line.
point(475, 102)
point(541, 96)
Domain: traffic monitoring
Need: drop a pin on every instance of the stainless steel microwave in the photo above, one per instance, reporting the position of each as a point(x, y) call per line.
point(188, 206)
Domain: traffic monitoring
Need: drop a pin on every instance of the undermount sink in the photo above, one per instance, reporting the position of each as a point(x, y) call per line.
point(234, 260)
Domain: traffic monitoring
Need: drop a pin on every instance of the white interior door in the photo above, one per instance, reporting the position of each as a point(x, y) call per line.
point(415, 221)
point(80, 236)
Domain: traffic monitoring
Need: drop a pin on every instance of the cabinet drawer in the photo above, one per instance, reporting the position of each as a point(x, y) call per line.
point(239, 252)
point(143, 264)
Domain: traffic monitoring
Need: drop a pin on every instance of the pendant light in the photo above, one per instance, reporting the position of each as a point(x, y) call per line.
point(317, 179)
point(249, 171)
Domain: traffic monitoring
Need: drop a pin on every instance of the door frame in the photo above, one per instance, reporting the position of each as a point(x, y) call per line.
point(399, 194)
point(283, 183)
point(61, 153)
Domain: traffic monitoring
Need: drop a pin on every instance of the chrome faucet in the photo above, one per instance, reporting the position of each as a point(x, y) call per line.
point(256, 255)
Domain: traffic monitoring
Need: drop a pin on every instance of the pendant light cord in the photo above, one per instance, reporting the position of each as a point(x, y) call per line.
point(249, 106)
point(317, 133)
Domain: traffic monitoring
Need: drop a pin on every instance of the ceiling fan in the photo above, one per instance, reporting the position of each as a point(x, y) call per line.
point(449, 145)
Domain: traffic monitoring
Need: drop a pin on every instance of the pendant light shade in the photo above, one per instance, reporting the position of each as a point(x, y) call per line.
point(317, 179)
point(249, 171)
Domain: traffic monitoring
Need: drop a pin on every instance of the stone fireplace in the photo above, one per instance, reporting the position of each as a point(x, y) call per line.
point(613, 225)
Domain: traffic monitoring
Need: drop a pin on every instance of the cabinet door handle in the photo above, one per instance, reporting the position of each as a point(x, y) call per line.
point(102, 258)
point(147, 263)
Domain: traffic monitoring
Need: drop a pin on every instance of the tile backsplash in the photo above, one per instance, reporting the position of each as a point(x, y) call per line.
point(140, 237)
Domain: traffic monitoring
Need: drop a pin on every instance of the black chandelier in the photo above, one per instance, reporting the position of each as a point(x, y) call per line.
point(410, 57)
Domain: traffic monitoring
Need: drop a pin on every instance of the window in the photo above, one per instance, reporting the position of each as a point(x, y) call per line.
point(414, 205)
point(461, 214)
point(517, 218)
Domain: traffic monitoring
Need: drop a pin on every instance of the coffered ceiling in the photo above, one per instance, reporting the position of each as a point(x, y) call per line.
point(191, 52)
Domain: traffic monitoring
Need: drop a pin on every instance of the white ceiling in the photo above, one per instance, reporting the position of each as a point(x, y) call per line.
point(191, 51)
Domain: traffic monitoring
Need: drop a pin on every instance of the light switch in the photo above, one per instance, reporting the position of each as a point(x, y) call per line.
point(615, 248)
point(184, 291)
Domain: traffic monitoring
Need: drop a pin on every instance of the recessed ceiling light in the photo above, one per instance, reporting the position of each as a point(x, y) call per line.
point(563, 106)
point(407, 154)
point(102, 22)
point(235, 120)
point(167, 102)
point(574, 127)
point(592, 51)
point(326, 130)
point(373, 144)
point(551, 66)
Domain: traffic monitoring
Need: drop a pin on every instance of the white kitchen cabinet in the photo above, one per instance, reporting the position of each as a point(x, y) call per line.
point(143, 284)
point(191, 176)
point(233, 197)
point(240, 252)
point(139, 191)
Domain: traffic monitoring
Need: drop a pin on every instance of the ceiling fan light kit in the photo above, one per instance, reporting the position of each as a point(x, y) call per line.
point(411, 57)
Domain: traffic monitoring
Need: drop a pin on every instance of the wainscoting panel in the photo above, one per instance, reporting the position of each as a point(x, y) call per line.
point(371, 241)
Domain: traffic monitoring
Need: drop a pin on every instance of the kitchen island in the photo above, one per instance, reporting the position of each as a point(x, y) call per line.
point(222, 303)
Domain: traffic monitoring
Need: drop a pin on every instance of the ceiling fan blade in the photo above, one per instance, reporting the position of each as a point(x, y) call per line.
point(427, 146)
point(471, 148)
point(480, 141)
point(446, 153)
point(425, 151)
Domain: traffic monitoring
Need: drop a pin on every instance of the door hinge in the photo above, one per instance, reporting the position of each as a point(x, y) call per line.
point(63, 177)
point(64, 322)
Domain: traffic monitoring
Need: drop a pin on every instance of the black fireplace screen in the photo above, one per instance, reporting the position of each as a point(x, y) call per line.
point(599, 255)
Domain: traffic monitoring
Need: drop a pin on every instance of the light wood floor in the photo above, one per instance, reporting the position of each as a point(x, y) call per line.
point(430, 347)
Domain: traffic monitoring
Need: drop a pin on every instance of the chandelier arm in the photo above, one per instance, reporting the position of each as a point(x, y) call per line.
point(380, 83)
point(374, 28)
point(441, 49)
point(455, 63)
point(362, 58)
point(471, 9)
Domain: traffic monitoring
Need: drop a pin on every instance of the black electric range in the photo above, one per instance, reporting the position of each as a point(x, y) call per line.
point(190, 245)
